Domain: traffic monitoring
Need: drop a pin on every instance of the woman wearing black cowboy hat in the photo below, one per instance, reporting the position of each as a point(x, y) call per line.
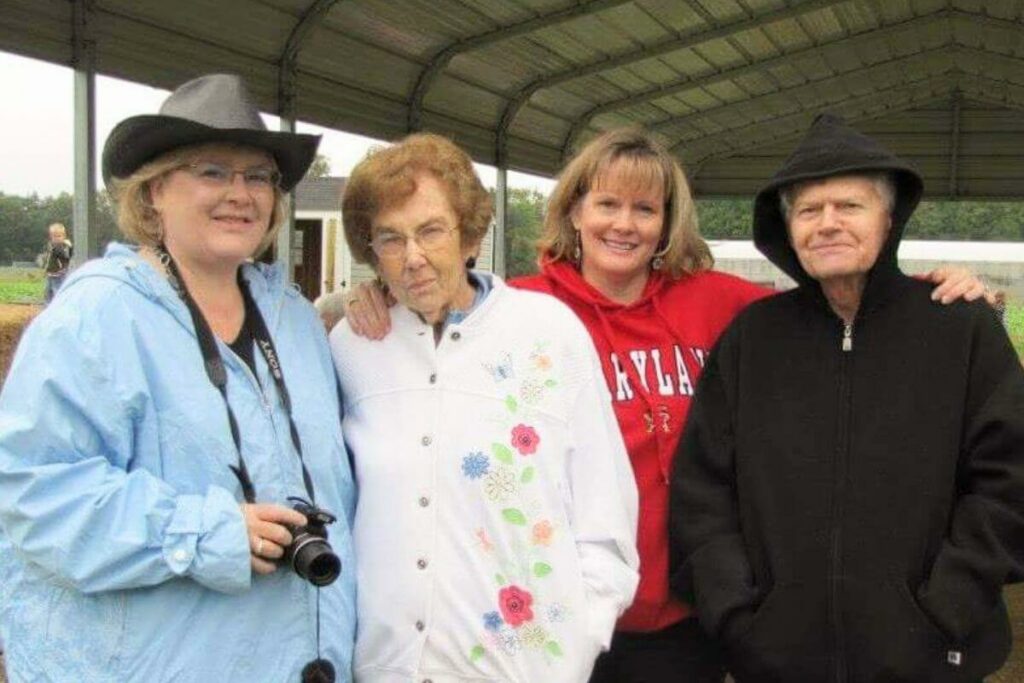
point(170, 446)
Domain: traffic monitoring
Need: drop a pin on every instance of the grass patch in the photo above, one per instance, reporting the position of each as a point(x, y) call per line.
point(21, 285)
point(1015, 326)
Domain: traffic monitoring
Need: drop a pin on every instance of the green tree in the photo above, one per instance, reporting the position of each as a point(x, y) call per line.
point(23, 223)
point(724, 219)
point(523, 228)
point(320, 168)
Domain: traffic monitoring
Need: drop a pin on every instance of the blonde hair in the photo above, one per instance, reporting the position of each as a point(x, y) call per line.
point(140, 222)
point(386, 177)
point(647, 165)
point(58, 227)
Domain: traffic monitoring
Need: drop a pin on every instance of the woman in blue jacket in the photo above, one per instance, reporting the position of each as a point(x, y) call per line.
point(161, 420)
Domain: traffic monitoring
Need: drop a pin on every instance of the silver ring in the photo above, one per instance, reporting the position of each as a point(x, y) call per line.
point(259, 547)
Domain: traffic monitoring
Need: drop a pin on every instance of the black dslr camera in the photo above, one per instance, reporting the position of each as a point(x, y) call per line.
point(309, 554)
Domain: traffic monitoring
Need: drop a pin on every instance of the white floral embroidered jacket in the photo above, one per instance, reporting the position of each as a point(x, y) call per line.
point(496, 525)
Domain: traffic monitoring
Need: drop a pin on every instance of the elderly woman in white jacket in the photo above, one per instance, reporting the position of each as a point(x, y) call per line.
point(495, 531)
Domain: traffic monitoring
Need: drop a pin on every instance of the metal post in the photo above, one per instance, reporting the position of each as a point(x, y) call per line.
point(84, 63)
point(286, 110)
point(500, 222)
point(954, 147)
point(284, 236)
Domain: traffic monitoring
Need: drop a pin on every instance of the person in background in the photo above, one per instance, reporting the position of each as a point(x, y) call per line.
point(848, 497)
point(162, 418)
point(56, 258)
point(622, 249)
point(496, 527)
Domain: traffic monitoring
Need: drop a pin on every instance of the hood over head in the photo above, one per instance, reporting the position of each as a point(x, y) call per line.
point(832, 148)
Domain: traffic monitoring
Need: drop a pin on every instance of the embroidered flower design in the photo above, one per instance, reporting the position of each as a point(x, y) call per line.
point(556, 612)
point(525, 439)
point(493, 621)
point(507, 640)
point(530, 391)
point(500, 484)
point(475, 465)
point(541, 361)
point(485, 543)
point(542, 532)
point(533, 635)
point(501, 370)
point(514, 603)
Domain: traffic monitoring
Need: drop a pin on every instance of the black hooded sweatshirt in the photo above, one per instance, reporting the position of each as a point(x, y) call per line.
point(848, 500)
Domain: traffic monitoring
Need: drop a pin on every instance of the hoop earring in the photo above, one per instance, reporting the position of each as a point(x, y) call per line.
point(577, 249)
point(657, 262)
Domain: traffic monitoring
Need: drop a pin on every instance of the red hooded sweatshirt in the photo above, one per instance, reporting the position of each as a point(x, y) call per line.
point(652, 352)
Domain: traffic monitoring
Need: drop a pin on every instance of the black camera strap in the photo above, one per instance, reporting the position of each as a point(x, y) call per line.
point(318, 670)
point(218, 375)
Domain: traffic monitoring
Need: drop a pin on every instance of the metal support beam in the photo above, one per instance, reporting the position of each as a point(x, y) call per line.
point(283, 245)
point(672, 43)
point(954, 145)
point(500, 222)
point(287, 75)
point(442, 59)
point(304, 27)
point(83, 60)
point(896, 98)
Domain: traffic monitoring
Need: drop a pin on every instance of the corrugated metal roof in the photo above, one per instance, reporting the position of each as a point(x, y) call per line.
point(727, 83)
point(319, 194)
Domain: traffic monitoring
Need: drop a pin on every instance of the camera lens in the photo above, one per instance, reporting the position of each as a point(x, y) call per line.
point(314, 560)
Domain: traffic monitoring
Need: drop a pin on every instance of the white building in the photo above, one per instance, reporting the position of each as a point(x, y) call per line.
point(1000, 264)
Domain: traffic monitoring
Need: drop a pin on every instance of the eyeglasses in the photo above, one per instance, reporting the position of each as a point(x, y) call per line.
point(391, 245)
point(218, 175)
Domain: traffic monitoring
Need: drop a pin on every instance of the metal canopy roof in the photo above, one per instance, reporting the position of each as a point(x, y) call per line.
point(728, 84)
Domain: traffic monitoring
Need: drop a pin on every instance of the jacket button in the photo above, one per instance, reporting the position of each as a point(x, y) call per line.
point(425, 441)
point(433, 378)
point(420, 626)
point(421, 563)
point(456, 336)
point(424, 502)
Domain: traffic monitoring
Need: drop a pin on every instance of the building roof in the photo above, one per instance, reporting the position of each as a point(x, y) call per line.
point(319, 194)
point(728, 84)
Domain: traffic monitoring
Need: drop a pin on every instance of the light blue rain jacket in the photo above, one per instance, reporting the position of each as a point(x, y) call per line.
point(123, 554)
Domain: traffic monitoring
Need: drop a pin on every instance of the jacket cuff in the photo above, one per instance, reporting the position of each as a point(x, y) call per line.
point(206, 540)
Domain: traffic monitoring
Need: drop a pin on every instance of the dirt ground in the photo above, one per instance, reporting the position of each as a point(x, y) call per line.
point(13, 318)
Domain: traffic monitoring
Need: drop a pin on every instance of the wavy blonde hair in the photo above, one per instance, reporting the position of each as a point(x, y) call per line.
point(386, 177)
point(140, 222)
point(647, 165)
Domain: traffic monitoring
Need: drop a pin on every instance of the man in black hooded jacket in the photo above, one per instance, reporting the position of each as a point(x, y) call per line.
point(848, 502)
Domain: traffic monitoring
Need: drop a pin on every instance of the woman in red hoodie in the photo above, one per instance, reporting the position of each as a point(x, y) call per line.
point(621, 248)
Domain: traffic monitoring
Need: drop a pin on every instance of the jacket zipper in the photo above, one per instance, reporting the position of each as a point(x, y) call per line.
point(838, 491)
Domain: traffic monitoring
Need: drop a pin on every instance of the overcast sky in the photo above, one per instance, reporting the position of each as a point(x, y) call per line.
point(37, 114)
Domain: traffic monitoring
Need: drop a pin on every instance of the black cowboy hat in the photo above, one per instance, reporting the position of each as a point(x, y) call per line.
point(212, 108)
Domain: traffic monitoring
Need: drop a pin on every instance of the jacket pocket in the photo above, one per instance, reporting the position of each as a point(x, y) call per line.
point(84, 633)
point(783, 639)
point(891, 638)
